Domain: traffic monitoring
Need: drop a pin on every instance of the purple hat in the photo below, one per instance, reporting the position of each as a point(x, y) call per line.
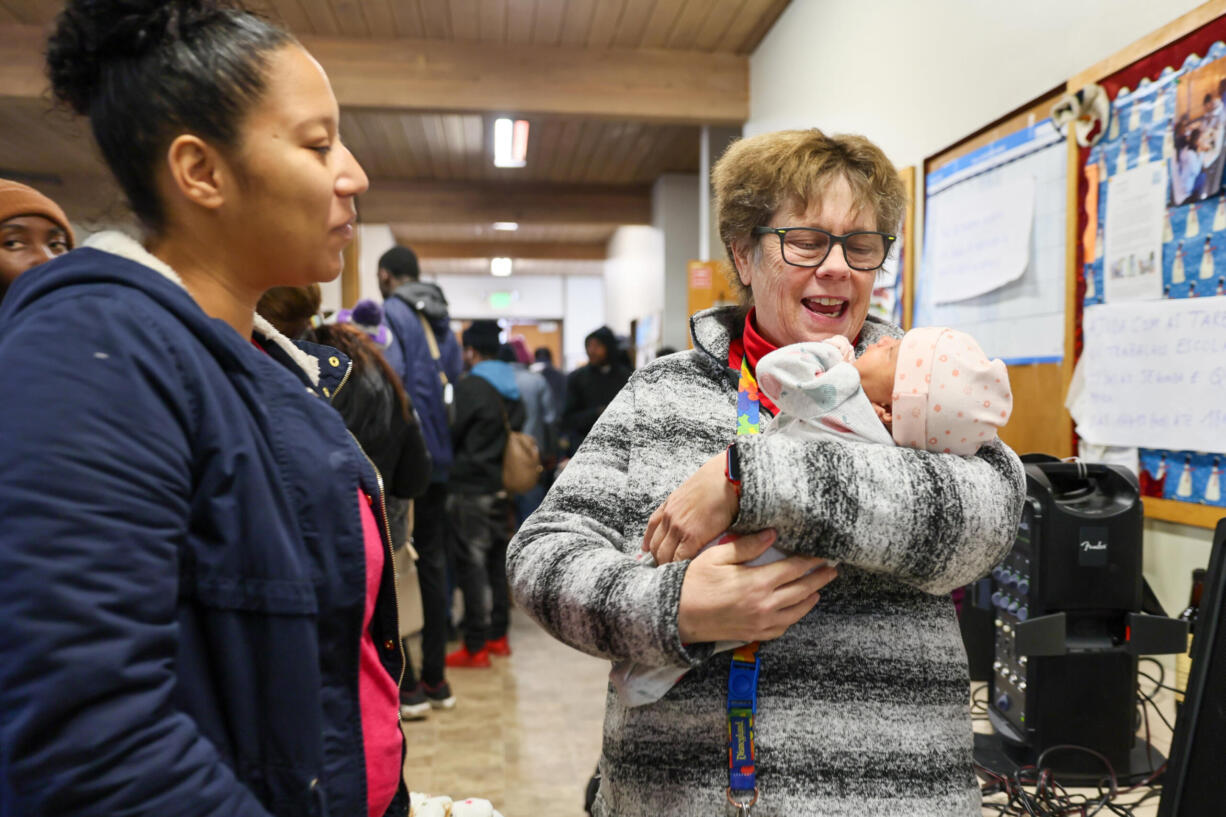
point(367, 316)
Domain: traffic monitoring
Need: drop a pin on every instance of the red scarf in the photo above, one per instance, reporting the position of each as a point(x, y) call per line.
point(752, 347)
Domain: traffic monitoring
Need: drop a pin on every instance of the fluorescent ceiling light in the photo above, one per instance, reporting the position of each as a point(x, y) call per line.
point(506, 225)
point(500, 267)
point(510, 142)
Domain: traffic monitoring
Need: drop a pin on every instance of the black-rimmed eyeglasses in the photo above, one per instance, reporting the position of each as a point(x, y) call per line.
point(865, 250)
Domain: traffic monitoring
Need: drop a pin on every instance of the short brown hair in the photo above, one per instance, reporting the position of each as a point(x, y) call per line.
point(758, 175)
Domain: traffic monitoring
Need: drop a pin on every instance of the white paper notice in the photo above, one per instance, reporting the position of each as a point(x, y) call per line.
point(1154, 375)
point(981, 240)
point(1132, 257)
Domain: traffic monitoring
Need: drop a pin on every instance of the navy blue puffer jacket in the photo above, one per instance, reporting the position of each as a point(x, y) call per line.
point(182, 572)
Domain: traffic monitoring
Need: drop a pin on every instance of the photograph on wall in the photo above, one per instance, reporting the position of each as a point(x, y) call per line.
point(1198, 134)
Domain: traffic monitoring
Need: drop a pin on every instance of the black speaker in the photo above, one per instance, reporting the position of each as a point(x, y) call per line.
point(1068, 624)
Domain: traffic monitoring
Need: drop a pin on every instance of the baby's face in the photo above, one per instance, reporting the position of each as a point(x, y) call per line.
point(876, 367)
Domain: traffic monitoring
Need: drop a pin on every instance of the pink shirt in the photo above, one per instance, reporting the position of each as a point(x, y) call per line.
point(377, 692)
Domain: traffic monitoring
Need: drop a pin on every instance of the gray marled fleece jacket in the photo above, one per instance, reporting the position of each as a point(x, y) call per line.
point(863, 704)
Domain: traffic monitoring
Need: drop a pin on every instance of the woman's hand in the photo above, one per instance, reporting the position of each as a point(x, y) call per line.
point(699, 509)
point(724, 600)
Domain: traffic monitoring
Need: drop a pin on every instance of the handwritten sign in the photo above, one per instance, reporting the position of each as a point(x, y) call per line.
point(1132, 267)
point(981, 236)
point(1154, 375)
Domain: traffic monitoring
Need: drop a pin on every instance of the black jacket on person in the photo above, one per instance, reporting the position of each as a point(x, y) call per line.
point(589, 389)
point(478, 433)
point(368, 404)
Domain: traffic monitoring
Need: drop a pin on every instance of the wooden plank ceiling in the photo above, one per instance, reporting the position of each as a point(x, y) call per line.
point(615, 92)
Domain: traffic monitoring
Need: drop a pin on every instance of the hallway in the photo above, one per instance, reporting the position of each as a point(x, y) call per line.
point(524, 735)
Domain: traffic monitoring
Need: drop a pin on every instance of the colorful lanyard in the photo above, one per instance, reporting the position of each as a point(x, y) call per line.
point(746, 663)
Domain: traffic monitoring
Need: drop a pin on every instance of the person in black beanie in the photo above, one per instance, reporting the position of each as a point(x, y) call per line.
point(487, 401)
point(590, 388)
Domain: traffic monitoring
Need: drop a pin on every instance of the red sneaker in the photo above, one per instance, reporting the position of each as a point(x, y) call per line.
point(499, 646)
point(463, 658)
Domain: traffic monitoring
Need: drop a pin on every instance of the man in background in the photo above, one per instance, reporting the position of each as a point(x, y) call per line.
point(425, 354)
point(487, 405)
point(590, 388)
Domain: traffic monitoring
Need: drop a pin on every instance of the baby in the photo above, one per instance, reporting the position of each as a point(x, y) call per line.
point(935, 389)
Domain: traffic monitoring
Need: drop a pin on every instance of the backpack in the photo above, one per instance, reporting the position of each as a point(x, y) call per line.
point(521, 458)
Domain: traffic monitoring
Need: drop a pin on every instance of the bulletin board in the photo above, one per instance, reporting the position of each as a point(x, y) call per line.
point(1153, 332)
point(1019, 152)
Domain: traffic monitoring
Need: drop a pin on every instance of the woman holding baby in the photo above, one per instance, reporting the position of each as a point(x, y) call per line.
point(855, 699)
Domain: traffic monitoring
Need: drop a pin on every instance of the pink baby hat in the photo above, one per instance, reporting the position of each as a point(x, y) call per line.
point(948, 397)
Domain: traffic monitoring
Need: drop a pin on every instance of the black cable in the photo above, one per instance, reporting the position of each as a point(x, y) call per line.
point(1157, 711)
point(1033, 791)
point(1156, 663)
point(1158, 684)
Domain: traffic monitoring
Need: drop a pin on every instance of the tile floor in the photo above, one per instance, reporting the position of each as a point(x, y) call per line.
point(524, 735)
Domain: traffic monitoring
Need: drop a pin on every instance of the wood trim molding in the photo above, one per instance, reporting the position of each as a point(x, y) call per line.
point(1184, 513)
point(1023, 117)
point(351, 283)
point(649, 85)
point(1150, 43)
point(1072, 240)
point(478, 248)
point(427, 202)
point(642, 84)
point(910, 242)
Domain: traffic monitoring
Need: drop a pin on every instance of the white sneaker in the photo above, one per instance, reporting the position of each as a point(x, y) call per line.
point(414, 706)
point(439, 697)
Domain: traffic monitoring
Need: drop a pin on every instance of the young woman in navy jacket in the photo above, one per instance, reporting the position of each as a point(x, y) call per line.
point(195, 575)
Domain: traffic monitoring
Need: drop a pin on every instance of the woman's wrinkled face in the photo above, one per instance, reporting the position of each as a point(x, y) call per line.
point(797, 304)
point(295, 210)
point(27, 241)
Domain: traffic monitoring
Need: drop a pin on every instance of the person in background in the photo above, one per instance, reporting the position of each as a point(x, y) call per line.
point(539, 422)
point(424, 352)
point(291, 310)
point(379, 413)
point(196, 582)
point(590, 388)
point(372, 401)
point(367, 315)
point(520, 348)
point(33, 230)
point(410, 476)
point(553, 376)
point(487, 402)
point(381, 416)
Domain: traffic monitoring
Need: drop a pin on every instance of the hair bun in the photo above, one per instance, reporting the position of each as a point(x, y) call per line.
point(90, 34)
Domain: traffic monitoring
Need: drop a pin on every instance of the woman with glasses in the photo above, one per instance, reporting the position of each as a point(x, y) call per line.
point(854, 705)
